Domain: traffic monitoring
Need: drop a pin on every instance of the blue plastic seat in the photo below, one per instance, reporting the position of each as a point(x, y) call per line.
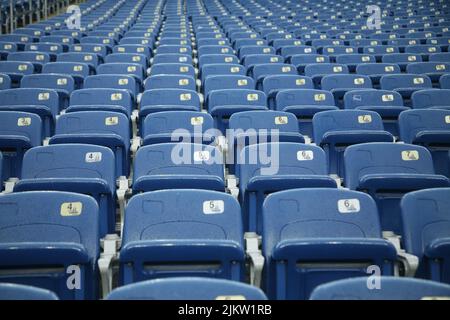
point(405, 84)
point(254, 59)
point(103, 128)
point(431, 98)
point(5, 81)
point(353, 60)
point(172, 58)
point(221, 69)
point(16, 70)
point(339, 84)
point(180, 288)
point(440, 57)
point(131, 69)
point(38, 59)
point(291, 165)
point(173, 68)
point(199, 234)
point(304, 103)
point(133, 48)
point(12, 291)
point(43, 102)
point(182, 126)
point(99, 49)
point(402, 59)
point(19, 131)
point(388, 104)
point(248, 50)
point(170, 81)
point(114, 81)
point(391, 288)
point(444, 81)
point(426, 221)
point(78, 71)
point(80, 168)
point(260, 71)
point(50, 233)
point(318, 70)
point(434, 70)
point(105, 99)
point(431, 129)
point(178, 166)
point(223, 82)
point(61, 83)
point(166, 49)
point(387, 171)
point(376, 70)
point(335, 130)
point(314, 236)
point(302, 60)
point(91, 59)
point(273, 84)
point(223, 103)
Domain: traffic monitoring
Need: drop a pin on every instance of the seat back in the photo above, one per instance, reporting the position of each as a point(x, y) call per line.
point(431, 98)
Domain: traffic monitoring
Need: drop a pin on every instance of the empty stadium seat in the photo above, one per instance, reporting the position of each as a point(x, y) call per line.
point(81, 168)
point(131, 69)
point(178, 165)
point(201, 231)
point(431, 129)
point(431, 98)
point(444, 81)
point(313, 236)
point(402, 59)
point(11, 291)
point(434, 70)
point(78, 71)
point(16, 70)
point(425, 216)
point(376, 70)
point(222, 104)
point(38, 59)
point(273, 84)
point(182, 126)
point(387, 171)
point(5, 82)
point(339, 84)
point(115, 81)
point(50, 233)
point(104, 128)
point(105, 99)
point(304, 103)
point(19, 131)
point(291, 165)
point(260, 71)
point(170, 81)
point(405, 84)
point(390, 288)
point(318, 70)
point(180, 288)
point(337, 129)
point(353, 60)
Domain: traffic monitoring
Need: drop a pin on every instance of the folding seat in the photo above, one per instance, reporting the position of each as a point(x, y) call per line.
point(222, 82)
point(217, 58)
point(6, 48)
point(304, 103)
point(99, 49)
point(212, 219)
point(40, 101)
point(128, 58)
point(65, 41)
point(259, 71)
point(212, 42)
point(19, 131)
point(181, 126)
point(335, 130)
point(180, 288)
point(314, 236)
point(52, 49)
point(289, 51)
point(168, 99)
point(439, 57)
point(62, 84)
point(278, 44)
point(168, 81)
point(291, 165)
point(434, 70)
point(318, 70)
point(215, 50)
point(221, 69)
point(405, 84)
point(101, 99)
point(426, 220)
point(12, 291)
point(339, 84)
point(76, 35)
point(178, 165)
point(178, 41)
point(33, 32)
point(319, 43)
point(443, 42)
point(273, 84)
point(165, 49)
point(353, 60)
point(104, 34)
point(376, 70)
point(5, 81)
point(173, 68)
point(391, 288)
point(431, 129)
point(132, 48)
point(302, 60)
point(78, 71)
point(388, 104)
point(131, 69)
point(116, 81)
point(172, 58)
point(90, 59)
point(16, 70)
point(49, 232)
point(142, 41)
point(361, 43)
point(223, 103)
point(402, 59)
point(241, 42)
point(107, 41)
point(444, 81)
point(380, 50)
point(250, 50)
point(387, 171)
point(423, 50)
point(20, 39)
point(333, 51)
point(81, 168)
